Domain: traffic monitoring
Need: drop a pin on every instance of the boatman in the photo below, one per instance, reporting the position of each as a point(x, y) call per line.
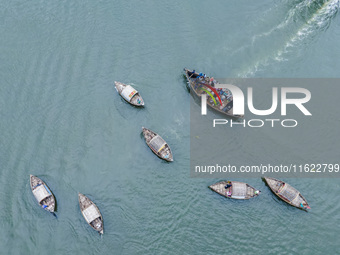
point(228, 185)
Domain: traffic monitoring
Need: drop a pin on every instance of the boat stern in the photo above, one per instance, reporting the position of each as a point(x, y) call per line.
point(144, 130)
point(138, 101)
point(257, 192)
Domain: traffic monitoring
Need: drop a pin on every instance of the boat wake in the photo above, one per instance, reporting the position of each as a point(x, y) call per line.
point(307, 19)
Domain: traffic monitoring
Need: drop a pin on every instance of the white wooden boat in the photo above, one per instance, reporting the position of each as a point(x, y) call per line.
point(91, 213)
point(129, 94)
point(42, 194)
point(157, 144)
point(287, 193)
point(234, 189)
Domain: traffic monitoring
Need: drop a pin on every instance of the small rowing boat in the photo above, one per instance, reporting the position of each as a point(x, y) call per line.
point(42, 194)
point(91, 213)
point(157, 144)
point(287, 193)
point(219, 99)
point(129, 94)
point(234, 189)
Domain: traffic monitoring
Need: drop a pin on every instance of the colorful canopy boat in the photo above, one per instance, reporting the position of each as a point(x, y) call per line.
point(91, 213)
point(287, 193)
point(234, 189)
point(42, 194)
point(157, 144)
point(218, 99)
point(129, 94)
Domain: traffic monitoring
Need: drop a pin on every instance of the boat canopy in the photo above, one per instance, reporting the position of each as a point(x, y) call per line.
point(157, 143)
point(239, 190)
point(128, 92)
point(289, 192)
point(91, 213)
point(41, 193)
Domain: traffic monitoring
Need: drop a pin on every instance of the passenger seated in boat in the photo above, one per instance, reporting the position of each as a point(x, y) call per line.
point(281, 188)
point(192, 74)
point(228, 185)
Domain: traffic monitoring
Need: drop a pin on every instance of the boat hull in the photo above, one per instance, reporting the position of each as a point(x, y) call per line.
point(287, 193)
point(242, 191)
point(136, 100)
point(151, 139)
point(197, 96)
point(42, 194)
point(91, 213)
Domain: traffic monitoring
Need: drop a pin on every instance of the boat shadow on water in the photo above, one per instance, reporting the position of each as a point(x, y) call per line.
point(125, 112)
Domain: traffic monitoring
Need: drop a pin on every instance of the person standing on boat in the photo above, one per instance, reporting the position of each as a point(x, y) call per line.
point(212, 82)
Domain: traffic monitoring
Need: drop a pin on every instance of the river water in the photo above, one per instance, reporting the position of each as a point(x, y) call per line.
point(62, 120)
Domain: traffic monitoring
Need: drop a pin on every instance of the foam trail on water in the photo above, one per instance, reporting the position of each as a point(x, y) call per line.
point(289, 20)
point(292, 13)
point(319, 21)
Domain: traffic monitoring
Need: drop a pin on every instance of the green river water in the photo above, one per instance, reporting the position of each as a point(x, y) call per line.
point(62, 120)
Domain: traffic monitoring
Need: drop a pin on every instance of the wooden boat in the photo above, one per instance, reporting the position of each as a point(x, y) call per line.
point(200, 85)
point(91, 213)
point(129, 94)
point(157, 144)
point(287, 193)
point(42, 194)
point(234, 189)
